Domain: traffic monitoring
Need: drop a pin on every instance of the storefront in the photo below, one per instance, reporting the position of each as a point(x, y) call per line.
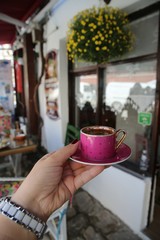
point(125, 94)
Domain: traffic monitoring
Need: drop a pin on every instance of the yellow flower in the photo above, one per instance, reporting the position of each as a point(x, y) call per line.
point(90, 25)
point(119, 31)
point(106, 16)
point(83, 31)
point(83, 23)
point(97, 48)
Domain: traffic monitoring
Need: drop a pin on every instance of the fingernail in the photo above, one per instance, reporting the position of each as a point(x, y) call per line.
point(74, 141)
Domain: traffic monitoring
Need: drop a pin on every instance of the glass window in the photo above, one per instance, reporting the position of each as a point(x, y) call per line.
point(6, 53)
point(129, 96)
point(86, 100)
point(146, 36)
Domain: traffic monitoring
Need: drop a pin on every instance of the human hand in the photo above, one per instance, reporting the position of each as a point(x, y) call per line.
point(52, 181)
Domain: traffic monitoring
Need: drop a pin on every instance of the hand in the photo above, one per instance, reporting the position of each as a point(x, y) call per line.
point(52, 181)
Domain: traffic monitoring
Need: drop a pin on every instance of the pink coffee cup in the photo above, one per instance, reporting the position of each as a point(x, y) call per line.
point(99, 143)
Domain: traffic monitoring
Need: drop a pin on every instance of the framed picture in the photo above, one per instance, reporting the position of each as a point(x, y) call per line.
point(51, 85)
point(51, 65)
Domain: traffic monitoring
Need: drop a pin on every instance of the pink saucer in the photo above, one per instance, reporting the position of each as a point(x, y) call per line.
point(122, 154)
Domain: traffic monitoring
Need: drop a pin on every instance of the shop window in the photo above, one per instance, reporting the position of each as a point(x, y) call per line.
point(121, 91)
point(145, 30)
point(129, 92)
point(86, 100)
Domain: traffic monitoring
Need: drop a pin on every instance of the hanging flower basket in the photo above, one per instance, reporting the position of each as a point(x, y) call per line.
point(99, 35)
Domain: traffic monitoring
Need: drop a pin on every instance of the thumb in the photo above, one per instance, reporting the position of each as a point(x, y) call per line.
point(61, 156)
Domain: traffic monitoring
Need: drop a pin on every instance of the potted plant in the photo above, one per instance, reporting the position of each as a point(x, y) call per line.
point(99, 35)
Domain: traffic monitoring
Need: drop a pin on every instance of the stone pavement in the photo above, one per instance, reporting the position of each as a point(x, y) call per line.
point(87, 219)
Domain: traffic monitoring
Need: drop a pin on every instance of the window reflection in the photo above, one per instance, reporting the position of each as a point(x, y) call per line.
point(86, 99)
point(146, 31)
point(130, 90)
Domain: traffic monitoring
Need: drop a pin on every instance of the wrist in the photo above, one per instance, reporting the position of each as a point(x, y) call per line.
point(25, 202)
point(29, 204)
point(22, 217)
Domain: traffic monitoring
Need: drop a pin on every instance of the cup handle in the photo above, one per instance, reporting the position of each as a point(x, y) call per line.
point(124, 134)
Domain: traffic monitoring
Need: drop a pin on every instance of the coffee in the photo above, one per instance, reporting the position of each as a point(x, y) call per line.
point(98, 131)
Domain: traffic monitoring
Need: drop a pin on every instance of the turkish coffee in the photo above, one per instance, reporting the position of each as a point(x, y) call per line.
point(98, 131)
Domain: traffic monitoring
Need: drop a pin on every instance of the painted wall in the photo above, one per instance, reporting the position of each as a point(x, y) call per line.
point(123, 194)
point(54, 130)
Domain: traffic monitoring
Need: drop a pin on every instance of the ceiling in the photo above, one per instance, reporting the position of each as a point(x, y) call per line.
point(20, 10)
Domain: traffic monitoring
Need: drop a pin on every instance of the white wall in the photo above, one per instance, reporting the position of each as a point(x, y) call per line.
point(125, 195)
point(53, 132)
point(120, 192)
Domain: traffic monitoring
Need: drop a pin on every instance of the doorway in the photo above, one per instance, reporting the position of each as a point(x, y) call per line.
point(153, 230)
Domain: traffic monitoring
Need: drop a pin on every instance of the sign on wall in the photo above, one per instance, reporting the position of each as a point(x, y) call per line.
point(6, 87)
point(51, 85)
point(145, 118)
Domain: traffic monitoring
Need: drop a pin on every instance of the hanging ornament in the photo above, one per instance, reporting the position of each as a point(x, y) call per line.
point(107, 1)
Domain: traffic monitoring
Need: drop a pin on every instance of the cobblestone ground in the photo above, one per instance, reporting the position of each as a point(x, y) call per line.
point(87, 219)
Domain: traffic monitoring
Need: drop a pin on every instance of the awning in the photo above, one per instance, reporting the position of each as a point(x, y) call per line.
point(20, 10)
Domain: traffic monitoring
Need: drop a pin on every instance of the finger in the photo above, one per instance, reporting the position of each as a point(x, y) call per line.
point(87, 175)
point(46, 156)
point(61, 156)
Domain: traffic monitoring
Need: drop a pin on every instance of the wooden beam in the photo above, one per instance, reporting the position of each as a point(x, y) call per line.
point(30, 81)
